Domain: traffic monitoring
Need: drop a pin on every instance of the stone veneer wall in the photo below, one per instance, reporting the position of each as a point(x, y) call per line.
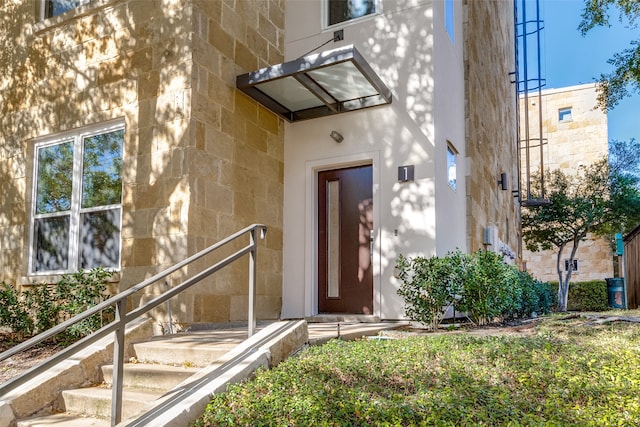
point(200, 160)
point(491, 130)
point(238, 151)
point(581, 140)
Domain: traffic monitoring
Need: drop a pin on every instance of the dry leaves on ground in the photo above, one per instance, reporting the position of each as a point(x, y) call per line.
point(20, 362)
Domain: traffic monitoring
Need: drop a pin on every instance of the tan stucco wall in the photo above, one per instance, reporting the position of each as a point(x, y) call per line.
point(580, 141)
point(491, 125)
point(200, 160)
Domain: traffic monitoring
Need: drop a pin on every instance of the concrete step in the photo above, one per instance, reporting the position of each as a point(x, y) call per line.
point(149, 376)
point(63, 420)
point(180, 403)
point(96, 401)
point(196, 349)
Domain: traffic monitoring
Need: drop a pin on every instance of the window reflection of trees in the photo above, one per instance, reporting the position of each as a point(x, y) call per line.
point(55, 174)
point(344, 10)
point(100, 233)
point(52, 241)
point(99, 210)
point(102, 169)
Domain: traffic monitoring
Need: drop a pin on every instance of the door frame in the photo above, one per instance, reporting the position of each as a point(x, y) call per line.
point(312, 168)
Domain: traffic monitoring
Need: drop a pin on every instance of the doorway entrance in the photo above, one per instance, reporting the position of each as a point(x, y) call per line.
point(345, 236)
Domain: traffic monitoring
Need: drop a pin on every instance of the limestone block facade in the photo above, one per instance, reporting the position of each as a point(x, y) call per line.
point(574, 133)
point(199, 160)
point(493, 213)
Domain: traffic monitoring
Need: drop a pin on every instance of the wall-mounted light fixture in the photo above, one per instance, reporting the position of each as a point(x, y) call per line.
point(336, 136)
point(503, 181)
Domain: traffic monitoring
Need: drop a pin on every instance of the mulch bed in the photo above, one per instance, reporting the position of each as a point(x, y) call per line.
point(22, 361)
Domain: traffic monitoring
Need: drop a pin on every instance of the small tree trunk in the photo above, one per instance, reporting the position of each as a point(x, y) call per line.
point(563, 285)
point(563, 288)
point(563, 295)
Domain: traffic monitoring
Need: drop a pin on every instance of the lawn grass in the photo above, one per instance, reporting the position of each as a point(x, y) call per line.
point(567, 373)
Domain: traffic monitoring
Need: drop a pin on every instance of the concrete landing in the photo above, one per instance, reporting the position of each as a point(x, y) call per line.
point(320, 333)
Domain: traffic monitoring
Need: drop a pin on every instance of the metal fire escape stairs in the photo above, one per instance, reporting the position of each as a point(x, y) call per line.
point(529, 84)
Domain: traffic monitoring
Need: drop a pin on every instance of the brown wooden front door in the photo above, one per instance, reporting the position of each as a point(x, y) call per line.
point(345, 225)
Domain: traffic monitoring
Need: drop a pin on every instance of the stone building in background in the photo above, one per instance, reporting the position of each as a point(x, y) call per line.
point(126, 143)
point(575, 133)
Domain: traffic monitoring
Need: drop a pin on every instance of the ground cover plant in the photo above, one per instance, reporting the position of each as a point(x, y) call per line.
point(565, 372)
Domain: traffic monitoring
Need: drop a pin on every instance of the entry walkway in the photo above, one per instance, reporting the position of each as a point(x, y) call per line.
point(321, 329)
point(319, 333)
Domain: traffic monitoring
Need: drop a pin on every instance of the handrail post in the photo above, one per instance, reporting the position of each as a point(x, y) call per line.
point(118, 367)
point(253, 254)
point(119, 303)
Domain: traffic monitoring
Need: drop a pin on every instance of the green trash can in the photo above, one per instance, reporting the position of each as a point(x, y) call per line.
point(615, 292)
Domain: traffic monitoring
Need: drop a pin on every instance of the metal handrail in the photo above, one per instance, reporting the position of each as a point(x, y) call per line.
point(122, 318)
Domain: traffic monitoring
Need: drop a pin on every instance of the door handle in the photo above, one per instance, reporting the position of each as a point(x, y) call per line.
point(371, 244)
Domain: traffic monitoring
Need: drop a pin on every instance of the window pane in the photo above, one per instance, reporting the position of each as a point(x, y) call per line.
point(55, 174)
point(564, 115)
point(448, 18)
point(102, 169)
point(451, 168)
point(100, 239)
point(57, 7)
point(51, 244)
point(344, 10)
point(333, 239)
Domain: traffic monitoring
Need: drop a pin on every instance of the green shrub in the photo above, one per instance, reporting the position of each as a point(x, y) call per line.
point(79, 291)
point(535, 296)
point(585, 296)
point(44, 306)
point(14, 313)
point(480, 284)
point(430, 284)
point(487, 290)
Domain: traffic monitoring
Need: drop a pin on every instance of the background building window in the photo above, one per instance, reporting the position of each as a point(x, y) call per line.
point(564, 115)
point(77, 206)
point(344, 10)
point(566, 265)
point(451, 166)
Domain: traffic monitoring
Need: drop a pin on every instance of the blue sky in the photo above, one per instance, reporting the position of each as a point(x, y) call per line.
point(571, 59)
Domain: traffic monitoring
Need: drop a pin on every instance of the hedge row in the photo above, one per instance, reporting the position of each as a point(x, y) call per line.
point(583, 296)
point(479, 284)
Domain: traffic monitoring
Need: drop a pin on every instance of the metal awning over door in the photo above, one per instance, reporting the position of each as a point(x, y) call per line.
point(317, 85)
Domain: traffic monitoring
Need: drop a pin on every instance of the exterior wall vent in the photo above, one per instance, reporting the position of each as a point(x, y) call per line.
point(488, 236)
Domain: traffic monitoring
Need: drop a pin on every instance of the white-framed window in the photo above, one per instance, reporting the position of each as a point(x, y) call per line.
point(340, 11)
point(452, 153)
point(51, 8)
point(565, 114)
point(77, 200)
